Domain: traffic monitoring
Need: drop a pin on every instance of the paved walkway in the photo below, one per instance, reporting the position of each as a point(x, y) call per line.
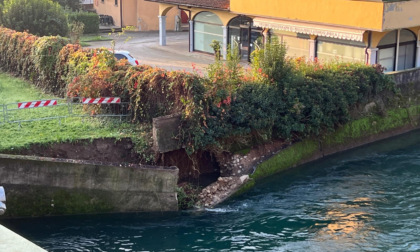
point(144, 46)
point(12, 242)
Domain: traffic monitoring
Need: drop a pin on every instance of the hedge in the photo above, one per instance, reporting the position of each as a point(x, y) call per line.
point(40, 17)
point(90, 20)
point(15, 52)
point(232, 107)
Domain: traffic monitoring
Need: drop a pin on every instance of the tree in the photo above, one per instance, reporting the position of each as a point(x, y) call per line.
point(39, 17)
point(71, 4)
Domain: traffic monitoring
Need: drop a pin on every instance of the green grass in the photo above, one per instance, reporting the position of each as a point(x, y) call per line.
point(372, 125)
point(15, 136)
point(94, 37)
point(17, 90)
point(84, 39)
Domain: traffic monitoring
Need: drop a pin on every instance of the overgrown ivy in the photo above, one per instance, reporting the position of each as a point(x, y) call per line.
point(277, 97)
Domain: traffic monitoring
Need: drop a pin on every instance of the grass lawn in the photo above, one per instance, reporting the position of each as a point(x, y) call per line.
point(94, 37)
point(71, 129)
point(84, 39)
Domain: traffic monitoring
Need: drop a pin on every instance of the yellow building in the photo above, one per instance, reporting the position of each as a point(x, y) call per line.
point(371, 31)
point(138, 13)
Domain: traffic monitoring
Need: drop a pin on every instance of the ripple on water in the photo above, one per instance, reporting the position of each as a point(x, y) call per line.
point(364, 200)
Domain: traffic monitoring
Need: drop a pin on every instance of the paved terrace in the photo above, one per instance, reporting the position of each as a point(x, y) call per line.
point(144, 46)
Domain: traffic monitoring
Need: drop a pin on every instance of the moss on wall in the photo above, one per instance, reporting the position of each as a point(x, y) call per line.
point(245, 187)
point(287, 158)
point(355, 131)
point(372, 125)
point(54, 201)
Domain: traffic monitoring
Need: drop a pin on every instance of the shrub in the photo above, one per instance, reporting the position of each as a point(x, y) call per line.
point(45, 52)
point(151, 91)
point(281, 98)
point(90, 20)
point(278, 98)
point(15, 51)
point(65, 72)
point(270, 62)
point(75, 32)
point(40, 17)
point(187, 195)
point(71, 4)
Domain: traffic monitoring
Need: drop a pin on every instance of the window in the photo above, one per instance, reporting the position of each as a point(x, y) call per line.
point(329, 49)
point(207, 27)
point(119, 56)
point(297, 44)
point(388, 48)
point(116, 2)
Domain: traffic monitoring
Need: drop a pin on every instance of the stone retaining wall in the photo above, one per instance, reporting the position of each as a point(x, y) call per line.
point(406, 76)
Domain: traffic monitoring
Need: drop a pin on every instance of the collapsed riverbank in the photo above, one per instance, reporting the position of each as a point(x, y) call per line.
point(274, 157)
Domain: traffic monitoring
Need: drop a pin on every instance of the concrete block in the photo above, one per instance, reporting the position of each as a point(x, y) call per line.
point(165, 133)
point(38, 186)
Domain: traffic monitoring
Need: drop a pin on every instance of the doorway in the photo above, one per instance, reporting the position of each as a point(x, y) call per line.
point(243, 36)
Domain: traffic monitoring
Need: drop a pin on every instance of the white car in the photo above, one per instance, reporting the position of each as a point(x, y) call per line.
point(119, 54)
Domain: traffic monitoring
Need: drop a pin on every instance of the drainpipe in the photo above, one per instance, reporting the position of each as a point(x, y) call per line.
point(191, 27)
point(368, 46)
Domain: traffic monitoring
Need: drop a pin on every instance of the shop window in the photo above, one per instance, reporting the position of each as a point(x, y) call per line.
point(297, 44)
point(207, 27)
point(331, 49)
point(388, 48)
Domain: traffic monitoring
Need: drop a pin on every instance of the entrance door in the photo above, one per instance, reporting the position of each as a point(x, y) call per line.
point(242, 36)
point(244, 45)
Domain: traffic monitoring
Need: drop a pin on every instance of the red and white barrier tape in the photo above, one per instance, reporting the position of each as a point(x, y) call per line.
point(35, 104)
point(102, 100)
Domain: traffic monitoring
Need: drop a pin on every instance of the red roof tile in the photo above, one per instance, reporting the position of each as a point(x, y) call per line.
point(212, 4)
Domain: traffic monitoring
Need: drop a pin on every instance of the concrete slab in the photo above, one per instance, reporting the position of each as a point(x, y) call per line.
point(12, 242)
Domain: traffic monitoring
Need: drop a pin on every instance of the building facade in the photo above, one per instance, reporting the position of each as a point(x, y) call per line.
point(370, 31)
point(138, 13)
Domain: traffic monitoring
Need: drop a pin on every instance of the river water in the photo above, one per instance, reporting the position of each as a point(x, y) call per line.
point(366, 199)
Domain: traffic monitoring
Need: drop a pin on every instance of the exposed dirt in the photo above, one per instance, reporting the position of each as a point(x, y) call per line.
point(220, 176)
point(238, 164)
point(199, 169)
point(101, 150)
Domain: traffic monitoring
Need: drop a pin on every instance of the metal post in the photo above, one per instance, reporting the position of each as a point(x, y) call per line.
point(162, 30)
point(397, 53)
point(418, 54)
point(191, 35)
point(225, 42)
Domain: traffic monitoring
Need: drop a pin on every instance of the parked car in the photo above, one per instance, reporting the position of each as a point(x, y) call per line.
point(119, 54)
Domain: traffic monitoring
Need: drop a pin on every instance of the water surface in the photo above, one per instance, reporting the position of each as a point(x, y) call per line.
point(367, 199)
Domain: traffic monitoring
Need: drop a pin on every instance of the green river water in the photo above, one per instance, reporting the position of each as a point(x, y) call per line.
point(367, 199)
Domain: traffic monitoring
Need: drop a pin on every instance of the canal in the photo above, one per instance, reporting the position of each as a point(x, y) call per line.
point(367, 199)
